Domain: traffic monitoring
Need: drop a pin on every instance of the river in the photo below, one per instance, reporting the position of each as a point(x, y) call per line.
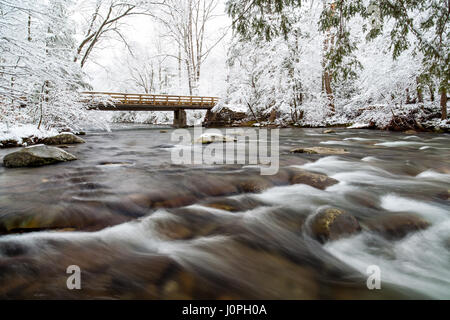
point(140, 227)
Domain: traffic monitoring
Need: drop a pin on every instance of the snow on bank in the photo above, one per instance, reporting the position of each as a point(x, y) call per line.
point(19, 133)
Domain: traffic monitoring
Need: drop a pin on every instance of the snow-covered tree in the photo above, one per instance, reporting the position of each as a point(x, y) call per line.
point(39, 82)
point(307, 58)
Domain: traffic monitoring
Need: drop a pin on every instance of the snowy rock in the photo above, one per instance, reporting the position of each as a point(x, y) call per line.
point(360, 126)
point(319, 150)
point(63, 138)
point(208, 138)
point(36, 156)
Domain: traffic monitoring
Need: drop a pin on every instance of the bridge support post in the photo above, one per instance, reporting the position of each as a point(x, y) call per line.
point(179, 118)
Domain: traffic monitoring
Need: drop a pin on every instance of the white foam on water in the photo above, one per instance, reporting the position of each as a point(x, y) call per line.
point(360, 139)
point(412, 137)
point(399, 143)
point(419, 262)
point(369, 159)
point(430, 147)
point(433, 175)
point(331, 142)
point(335, 165)
point(297, 195)
point(372, 178)
point(430, 211)
point(441, 138)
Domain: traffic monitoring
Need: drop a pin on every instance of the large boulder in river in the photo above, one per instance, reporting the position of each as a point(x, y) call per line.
point(316, 180)
point(332, 224)
point(223, 117)
point(63, 138)
point(36, 156)
point(397, 226)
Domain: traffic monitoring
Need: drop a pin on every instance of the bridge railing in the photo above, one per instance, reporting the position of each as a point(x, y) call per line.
point(152, 99)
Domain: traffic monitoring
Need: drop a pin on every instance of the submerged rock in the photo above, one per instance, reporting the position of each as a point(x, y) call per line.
point(397, 226)
point(35, 156)
point(332, 224)
point(316, 180)
point(328, 131)
point(319, 150)
point(254, 184)
point(232, 205)
point(63, 138)
point(239, 274)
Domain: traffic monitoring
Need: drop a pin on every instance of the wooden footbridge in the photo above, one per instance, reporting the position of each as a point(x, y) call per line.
point(108, 101)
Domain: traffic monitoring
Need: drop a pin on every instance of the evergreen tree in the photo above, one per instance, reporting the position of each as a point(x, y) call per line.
point(422, 25)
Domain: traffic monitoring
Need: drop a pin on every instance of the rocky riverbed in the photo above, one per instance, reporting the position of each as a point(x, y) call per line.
point(139, 226)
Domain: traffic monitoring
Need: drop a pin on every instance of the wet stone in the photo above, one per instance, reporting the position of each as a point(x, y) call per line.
point(63, 138)
point(397, 226)
point(232, 205)
point(316, 180)
point(35, 156)
point(332, 224)
point(320, 150)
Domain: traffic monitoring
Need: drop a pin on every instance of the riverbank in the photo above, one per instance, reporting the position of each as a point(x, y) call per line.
point(409, 119)
point(420, 118)
point(24, 135)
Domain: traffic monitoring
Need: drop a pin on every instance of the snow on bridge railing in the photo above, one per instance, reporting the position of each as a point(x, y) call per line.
point(148, 99)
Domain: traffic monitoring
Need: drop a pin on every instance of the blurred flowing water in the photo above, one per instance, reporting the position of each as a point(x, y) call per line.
point(140, 227)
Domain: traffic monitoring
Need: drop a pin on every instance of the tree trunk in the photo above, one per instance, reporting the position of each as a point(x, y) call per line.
point(408, 98)
point(327, 76)
point(444, 104)
point(188, 67)
point(29, 27)
point(179, 68)
point(419, 95)
point(432, 98)
point(329, 90)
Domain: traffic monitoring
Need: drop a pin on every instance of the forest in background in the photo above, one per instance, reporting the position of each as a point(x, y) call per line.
point(378, 63)
point(382, 64)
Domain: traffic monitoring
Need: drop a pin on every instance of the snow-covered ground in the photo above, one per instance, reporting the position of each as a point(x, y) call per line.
point(19, 132)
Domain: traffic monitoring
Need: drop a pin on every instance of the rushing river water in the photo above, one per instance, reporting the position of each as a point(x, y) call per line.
point(139, 226)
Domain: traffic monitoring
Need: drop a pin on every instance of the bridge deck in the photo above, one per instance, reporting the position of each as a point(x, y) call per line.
point(147, 102)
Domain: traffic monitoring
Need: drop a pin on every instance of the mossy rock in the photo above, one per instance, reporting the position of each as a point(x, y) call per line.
point(332, 224)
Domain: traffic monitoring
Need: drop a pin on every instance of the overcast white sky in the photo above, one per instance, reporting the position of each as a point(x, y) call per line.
point(106, 69)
